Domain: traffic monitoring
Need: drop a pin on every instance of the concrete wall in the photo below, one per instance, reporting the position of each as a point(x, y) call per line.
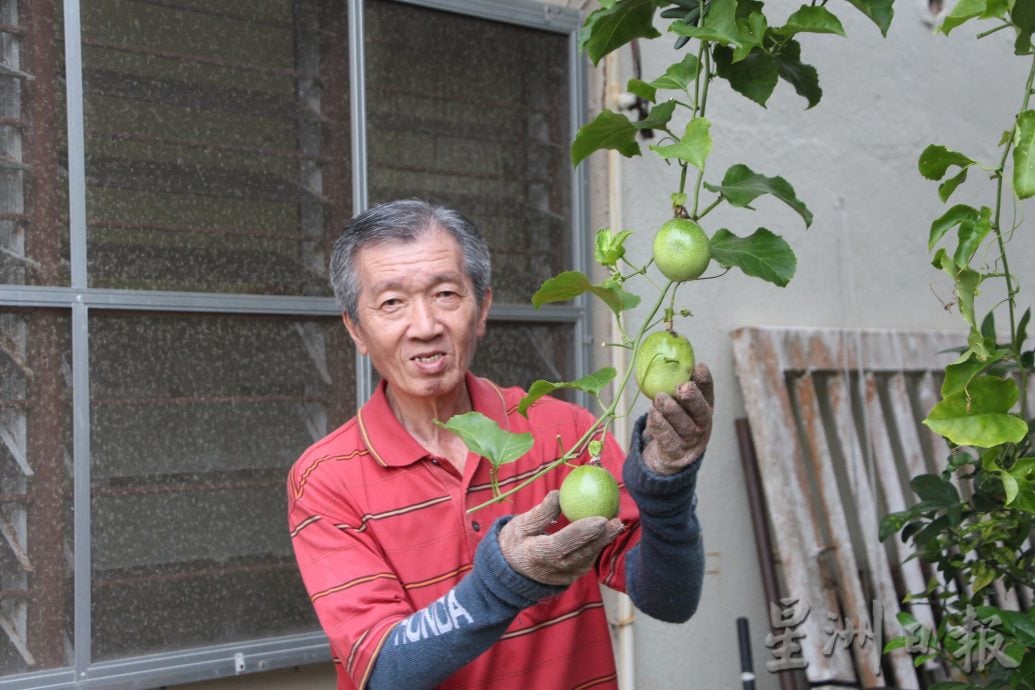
point(864, 262)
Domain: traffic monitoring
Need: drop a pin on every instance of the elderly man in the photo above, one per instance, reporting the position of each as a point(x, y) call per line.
point(414, 592)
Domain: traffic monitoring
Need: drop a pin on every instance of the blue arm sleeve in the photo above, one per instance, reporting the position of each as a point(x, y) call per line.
point(431, 644)
point(665, 571)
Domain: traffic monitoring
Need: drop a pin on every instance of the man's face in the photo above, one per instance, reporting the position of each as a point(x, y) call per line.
point(417, 315)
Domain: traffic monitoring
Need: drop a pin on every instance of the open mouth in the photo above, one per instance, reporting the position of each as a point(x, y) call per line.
point(428, 358)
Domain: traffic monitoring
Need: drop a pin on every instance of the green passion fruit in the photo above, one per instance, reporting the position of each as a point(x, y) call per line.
point(588, 491)
point(681, 250)
point(663, 361)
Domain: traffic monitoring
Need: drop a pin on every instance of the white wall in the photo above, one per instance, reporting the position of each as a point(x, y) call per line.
point(864, 262)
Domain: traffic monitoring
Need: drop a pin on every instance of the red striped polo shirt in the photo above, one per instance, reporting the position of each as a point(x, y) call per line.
point(380, 529)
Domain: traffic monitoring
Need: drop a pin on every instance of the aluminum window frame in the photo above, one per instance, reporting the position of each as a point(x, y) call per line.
point(80, 300)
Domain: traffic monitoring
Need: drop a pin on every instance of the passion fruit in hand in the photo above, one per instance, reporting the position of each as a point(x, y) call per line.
point(663, 361)
point(681, 250)
point(588, 491)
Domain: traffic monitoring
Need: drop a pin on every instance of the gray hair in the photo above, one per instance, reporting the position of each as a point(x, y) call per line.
point(404, 220)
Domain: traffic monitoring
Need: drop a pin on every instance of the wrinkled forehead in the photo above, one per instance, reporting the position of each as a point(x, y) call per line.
point(428, 252)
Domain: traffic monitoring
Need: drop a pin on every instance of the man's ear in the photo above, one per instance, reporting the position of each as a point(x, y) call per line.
point(356, 333)
point(483, 315)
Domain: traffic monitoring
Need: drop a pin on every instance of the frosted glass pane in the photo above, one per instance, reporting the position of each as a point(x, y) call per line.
point(474, 113)
point(217, 143)
point(516, 354)
point(35, 491)
point(194, 423)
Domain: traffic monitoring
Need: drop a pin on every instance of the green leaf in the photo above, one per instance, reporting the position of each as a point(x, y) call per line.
point(1022, 329)
point(571, 284)
point(741, 185)
point(616, 24)
point(988, 327)
point(965, 10)
point(658, 116)
point(754, 77)
point(1021, 475)
point(906, 619)
point(1022, 15)
point(945, 189)
point(1010, 487)
point(895, 643)
point(959, 374)
point(950, 685)
point(679, 75)
point(982, 577)
point(591, 383)
point(693, 147)
point(813, 19)
point(609, 247)
point(802, 77)
point(979, 416)
point(719, 25)
point(935, 161)
point(753, 29)
point(485, 437)
point(608, 130)
point(763, 255)
point(880, 12)
point(640, 88)
point(971, 235)
point(966, 283)
point(935, 489)
point(891, 523)
point(1019, 624)
point(958, 214)
point(1024, 156)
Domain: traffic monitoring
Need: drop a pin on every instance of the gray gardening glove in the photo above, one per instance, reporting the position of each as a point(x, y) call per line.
point(559, 558)
point(678, 427)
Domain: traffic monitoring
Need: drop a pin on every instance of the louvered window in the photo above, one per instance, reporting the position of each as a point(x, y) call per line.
point(172, 176)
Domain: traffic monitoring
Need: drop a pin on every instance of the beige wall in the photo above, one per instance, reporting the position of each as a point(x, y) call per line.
point(864, 262)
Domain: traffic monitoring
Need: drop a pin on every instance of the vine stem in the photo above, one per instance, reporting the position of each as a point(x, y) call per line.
point(702, 104)
point(598, 424)
point(1007, 277)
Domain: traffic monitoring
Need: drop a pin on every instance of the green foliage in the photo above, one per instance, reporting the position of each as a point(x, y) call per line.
point(571, 284)
point(979, 414)
point(980, 537)
point(741, 186)
point(761, 255)
point(615, 24)
point(731, 43)
point(591, 383)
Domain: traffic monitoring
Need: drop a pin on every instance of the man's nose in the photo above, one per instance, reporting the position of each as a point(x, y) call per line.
point(424, 321)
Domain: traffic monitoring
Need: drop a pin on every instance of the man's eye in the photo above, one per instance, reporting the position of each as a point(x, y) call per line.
point(391, 303)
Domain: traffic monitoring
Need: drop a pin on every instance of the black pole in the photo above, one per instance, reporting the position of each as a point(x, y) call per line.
point(747, 669)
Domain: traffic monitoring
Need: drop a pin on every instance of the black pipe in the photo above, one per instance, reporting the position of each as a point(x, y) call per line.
point(747, 668)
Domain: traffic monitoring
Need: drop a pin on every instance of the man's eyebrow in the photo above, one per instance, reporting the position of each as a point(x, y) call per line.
point(392, 284)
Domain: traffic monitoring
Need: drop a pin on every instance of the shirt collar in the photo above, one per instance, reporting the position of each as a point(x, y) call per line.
point(389, 442)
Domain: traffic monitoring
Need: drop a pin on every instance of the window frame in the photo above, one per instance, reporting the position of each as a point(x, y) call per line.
point(78, 299)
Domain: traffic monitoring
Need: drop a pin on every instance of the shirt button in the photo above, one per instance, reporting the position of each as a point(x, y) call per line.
point(476, 526)
point(434, 461)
